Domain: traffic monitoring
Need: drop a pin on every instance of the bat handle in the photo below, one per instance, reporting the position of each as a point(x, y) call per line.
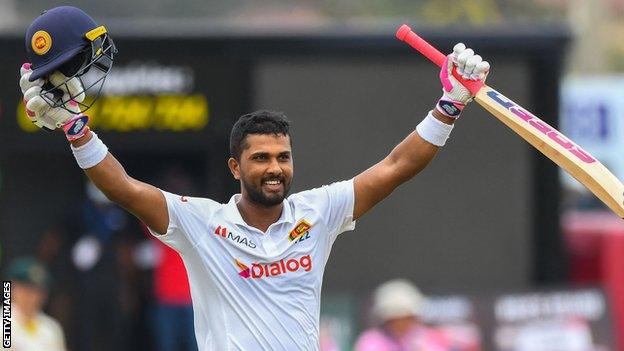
point(405, 33)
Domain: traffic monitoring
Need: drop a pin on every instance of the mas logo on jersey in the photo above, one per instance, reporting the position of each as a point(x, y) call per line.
point(301, 228)
point(273, 269)
point(237, 238)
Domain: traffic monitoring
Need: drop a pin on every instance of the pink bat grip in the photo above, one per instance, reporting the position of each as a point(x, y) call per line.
point(405, 33)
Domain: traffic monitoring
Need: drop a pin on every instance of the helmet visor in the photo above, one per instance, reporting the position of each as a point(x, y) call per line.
point(90, 66)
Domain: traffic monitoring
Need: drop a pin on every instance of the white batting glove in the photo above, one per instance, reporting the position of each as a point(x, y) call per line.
point(43, 114)
point(32, 100)
point(470, 66)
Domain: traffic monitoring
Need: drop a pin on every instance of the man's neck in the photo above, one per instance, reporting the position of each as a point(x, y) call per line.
point(259, 216)
point(25, 314)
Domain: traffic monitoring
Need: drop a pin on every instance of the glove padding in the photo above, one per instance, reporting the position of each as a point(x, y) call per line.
point(39, 106)
point(470, 66)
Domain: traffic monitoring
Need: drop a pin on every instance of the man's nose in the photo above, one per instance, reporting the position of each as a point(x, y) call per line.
point(274, 167)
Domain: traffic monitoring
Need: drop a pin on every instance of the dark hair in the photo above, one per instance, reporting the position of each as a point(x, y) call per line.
point(258, 122)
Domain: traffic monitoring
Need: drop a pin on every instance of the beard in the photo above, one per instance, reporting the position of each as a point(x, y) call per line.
point(258, 196)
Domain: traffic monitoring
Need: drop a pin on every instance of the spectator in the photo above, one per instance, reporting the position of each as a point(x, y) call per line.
point(397, 307)
point(173, 311)
point(31, 328)
point(172, 321)
point(53, 251)
point(104, 294)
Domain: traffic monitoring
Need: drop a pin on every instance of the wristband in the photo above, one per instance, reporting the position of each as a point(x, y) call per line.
point(433, 130)
point(91, 153)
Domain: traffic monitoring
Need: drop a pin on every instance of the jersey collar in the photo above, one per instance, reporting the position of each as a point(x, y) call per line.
point(234, 216)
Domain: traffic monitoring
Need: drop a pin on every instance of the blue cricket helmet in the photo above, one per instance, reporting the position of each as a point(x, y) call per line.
point(68, 40)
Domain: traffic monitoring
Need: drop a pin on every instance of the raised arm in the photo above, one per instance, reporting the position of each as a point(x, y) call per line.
point(143, 200)
point(406, 160)
point(415, 152)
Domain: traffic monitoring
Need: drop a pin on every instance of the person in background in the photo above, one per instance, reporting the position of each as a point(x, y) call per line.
point(172, 322)
point(31, 328)
point(105, 298)
point(397, 310)
point(52, 251)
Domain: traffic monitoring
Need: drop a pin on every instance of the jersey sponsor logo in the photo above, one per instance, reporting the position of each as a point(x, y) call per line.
point(541, 126)
point(301, 228)
point(244, 269)
point(237, 238)
point(273, 269)
point(183, 199)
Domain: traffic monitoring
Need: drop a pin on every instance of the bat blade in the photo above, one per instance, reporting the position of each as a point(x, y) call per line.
point(548, 140)
point(553, 144)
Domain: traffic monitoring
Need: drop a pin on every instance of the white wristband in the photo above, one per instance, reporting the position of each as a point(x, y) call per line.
point(91, 153)
point(433, 130)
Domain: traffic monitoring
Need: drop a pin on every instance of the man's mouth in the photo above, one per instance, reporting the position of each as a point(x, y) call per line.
point(273, 184)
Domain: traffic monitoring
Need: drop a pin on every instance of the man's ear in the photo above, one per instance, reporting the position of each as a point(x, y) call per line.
point(234, 167)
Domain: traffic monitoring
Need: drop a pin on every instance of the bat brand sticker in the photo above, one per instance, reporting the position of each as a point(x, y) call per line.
point(541, 126)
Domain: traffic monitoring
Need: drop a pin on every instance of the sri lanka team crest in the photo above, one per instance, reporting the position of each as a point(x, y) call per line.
point(301, 228)
point(41, 42)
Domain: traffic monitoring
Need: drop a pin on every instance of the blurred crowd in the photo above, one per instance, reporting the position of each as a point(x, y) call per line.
point(103, 282)
point(397, 324)
point(157, 314)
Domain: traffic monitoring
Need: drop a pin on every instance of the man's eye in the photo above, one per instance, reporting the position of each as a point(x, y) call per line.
point(259, 157)
point(285, 157)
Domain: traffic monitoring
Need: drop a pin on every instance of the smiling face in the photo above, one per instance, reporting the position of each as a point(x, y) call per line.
point(264, 168)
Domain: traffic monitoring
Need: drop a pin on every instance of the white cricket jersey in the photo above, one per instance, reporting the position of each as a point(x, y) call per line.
point(41, 333)
point(253, 290)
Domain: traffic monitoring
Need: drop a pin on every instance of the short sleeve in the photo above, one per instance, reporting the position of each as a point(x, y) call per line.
point(180, 209)
point(335, 203)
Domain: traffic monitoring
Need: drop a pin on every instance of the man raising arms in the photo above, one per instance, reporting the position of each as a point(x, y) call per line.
point(256, 263)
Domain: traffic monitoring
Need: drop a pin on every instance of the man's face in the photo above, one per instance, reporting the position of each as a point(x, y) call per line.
point(31, 299)
point(265, 169)
point(401, 325)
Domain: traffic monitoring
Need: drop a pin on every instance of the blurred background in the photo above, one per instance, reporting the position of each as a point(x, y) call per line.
point(508, 252)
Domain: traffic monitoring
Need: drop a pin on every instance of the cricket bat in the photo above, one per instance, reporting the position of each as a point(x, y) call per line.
point(549, 141)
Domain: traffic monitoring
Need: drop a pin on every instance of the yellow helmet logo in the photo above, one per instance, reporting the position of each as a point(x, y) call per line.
point(41, 42)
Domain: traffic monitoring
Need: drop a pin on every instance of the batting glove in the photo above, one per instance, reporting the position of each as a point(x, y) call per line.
point(38, 104)
point(470, 66)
